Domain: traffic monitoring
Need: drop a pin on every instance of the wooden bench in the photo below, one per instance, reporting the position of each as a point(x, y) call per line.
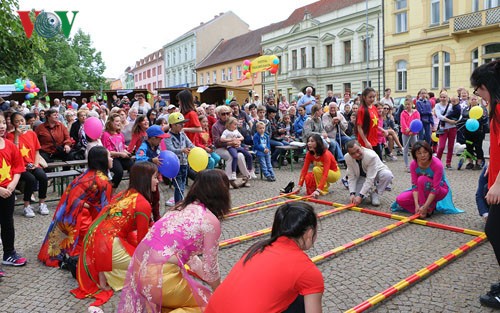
point(289, 149)
point(62, 176)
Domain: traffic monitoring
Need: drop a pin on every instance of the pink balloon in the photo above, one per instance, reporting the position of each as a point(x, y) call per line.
point(93, 128)
point(246, 62)
point(37, 89)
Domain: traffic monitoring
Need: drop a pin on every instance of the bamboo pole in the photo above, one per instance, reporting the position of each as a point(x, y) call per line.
point(264, 207)
point(412, 279)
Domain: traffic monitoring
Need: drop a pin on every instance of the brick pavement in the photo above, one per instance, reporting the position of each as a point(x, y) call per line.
point(350, 278)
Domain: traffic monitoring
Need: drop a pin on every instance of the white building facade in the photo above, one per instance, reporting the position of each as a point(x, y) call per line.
point(183, 53)
point(148, 72)
point(325, 46)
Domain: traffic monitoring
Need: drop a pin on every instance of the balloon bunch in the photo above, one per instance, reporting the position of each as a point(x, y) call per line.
point(246, 69)
point(27, 85)
point(274, 66)
point(472, 123)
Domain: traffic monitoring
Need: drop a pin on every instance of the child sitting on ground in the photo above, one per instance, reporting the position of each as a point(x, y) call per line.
point(262, 147)
point(231, 134)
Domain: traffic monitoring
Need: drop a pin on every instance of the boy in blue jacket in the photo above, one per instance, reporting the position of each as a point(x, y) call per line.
point(262, 147)
point(149, 152)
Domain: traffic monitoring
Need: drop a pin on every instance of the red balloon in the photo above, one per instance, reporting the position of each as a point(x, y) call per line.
point(273, 70)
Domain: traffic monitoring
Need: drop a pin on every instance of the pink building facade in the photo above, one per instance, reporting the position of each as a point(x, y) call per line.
point(149, 72)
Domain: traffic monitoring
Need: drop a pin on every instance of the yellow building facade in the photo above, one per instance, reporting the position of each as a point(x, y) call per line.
point(436, 44)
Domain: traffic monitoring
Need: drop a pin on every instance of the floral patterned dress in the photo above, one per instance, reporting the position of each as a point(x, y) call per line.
point(79, 206)
point(179, 235)
point(126, 218)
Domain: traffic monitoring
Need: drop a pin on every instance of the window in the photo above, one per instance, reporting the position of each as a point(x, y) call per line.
point(365, 53)
point(329, 55)
point(223, 75)
point(185, 53)
point(160, 83)
point(159, 69)
point(313, 56)
point(294, 59)
point(186, 79)
point(149, 86)
point(238, 72)
point(446, 70)
point(168, 59)
point(329, 87)
point(488, 4)
point(401, 22)
point(173, 61)
point(347, 52)
point(365, 84)
point(401, 16)
point(201, 79)
point(175, 78)
point(279, 64)
point(475, 59)
point(149, 73)
point(447, 10)
point(140, 76)
point(135, 77)
point(229, 73)
point(347, 87)
point(214, 76)
point(435, 12)
point(303, 58)
point(491, 52)
point(208, 78)
point(154, 71)
point(475, 5)
point(144, 74)
point(401, 75)
point(435, 71)
point(154, 85)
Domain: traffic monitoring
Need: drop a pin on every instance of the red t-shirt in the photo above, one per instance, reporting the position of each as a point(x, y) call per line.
point(494, 166)
point(373, 129)
point(28, 145)
point(193, 122)
point(269, 282)
point(11, 163)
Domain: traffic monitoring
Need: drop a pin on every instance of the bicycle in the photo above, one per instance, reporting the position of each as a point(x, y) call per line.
point(465, 155)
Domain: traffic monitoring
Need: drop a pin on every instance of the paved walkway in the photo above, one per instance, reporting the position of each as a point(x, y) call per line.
point(350, 278)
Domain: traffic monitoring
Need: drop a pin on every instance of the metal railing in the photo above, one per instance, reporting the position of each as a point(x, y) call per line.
point(475, 20)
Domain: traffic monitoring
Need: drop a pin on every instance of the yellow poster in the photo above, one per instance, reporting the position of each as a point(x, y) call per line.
point(262, 63)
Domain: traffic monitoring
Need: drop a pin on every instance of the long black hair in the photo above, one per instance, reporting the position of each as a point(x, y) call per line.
point(320, 146)
point(366, 115)
point(488, 75)
point(98, 159)
point(185, 97)
point(211, 187)
point(140, 178)
point(291, 220)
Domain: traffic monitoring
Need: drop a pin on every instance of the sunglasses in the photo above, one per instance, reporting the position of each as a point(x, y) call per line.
point(386, 109)
point(225, 113)
point(475, 91)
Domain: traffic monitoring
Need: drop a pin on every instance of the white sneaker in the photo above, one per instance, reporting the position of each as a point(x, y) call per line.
point(375, 199)
point(252, 174)
point(170, 202)
point(233, 176)
point(42, 209)
point(28, 211)
point(33, 198)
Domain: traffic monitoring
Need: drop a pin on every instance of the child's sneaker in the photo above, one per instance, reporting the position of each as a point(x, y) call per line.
point(28, 211)
point(42, 209)
point(14, 259)
point(170, 202)
point(233, 176)
point(345, 183)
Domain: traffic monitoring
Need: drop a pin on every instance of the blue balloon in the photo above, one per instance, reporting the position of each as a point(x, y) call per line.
point(276, 61)
point(169, 164)
point(416, 126)
point(472, 125)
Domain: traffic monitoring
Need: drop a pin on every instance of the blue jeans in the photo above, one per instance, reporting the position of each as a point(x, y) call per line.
point(342, 140)
point(425, 133)
point(265, 165)
point(276, 152)
point(180, 183)
point(336, 151)
point(482, 189)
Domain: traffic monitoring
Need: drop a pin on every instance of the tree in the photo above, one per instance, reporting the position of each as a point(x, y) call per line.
point(18, 54)
point(89, 61)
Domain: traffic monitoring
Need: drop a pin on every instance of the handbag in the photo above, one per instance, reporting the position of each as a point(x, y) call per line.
point(439, 130)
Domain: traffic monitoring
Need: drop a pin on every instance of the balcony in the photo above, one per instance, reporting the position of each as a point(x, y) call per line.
point(475, 21)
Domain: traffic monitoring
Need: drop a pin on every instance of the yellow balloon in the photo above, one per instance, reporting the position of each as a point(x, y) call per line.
point(326, 109)
point(476, 112)
point(434, 137)
point(198, 159)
